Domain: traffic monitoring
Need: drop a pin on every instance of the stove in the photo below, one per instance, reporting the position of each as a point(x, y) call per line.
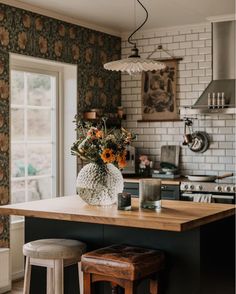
point(220, 191)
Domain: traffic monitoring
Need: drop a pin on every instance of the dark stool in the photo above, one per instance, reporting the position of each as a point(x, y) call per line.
point(122, 265)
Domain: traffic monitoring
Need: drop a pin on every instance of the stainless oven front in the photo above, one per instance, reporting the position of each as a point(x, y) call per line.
point(228, 198)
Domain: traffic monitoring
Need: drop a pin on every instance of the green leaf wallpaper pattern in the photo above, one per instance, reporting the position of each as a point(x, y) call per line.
point(31, 34)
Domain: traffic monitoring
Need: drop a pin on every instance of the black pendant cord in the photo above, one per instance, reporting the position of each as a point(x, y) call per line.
point(129, 39)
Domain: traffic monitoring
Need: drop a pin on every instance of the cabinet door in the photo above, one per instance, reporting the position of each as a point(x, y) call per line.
point(170, 192)
point(132, 188)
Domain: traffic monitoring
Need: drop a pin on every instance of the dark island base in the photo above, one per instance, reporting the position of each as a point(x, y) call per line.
point(200, 261)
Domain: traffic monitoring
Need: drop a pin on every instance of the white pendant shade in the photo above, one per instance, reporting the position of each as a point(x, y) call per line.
point(134, 65)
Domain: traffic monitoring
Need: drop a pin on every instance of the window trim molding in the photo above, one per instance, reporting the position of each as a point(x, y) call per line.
point(35, 65)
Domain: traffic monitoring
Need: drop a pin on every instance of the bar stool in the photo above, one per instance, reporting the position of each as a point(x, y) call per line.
point(122, 265)
point(54, 254)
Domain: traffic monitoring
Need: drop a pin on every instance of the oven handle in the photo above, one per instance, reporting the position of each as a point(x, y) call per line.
point(213, 196)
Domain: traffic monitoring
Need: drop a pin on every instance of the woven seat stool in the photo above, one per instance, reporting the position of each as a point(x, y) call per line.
point(54, 254)
point(122, 265)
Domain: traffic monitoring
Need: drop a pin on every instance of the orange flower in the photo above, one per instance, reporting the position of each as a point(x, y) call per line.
point(61, 30)
point(72, 33)
point(121, 159)
point(4, 36)
point(4, 89)
point(4, 144)
point(22, 40)
point(108, 156)
point(38, 24)
point(99, 134)
point(58, 48)
point(43, 45)
point(122, 163)
point(26, 21)
point(89, 55)
point(75, 52)
point(4, 195)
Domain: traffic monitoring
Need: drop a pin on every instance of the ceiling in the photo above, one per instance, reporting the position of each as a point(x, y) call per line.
point(119, 16)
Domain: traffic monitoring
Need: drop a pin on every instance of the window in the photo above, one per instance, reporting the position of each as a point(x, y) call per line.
point(34, 129)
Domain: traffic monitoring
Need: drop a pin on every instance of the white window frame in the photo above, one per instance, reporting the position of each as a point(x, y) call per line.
point(34, 66)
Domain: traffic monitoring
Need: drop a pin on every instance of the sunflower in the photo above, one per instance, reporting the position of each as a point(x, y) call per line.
point(107, 156)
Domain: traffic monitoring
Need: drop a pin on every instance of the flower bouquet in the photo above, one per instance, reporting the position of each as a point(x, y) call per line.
point(100, 181)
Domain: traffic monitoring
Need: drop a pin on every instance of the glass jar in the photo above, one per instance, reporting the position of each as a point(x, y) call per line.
point(150, 194)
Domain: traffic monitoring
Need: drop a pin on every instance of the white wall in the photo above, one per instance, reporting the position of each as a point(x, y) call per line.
point(193, 43)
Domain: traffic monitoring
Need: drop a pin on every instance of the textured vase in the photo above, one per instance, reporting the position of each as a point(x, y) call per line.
point(99, 185)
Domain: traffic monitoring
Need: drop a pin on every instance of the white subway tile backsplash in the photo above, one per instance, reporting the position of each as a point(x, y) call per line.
point(205, 36)
point(198, 44)
point(194, 73)
point(192, 37)
point(179, 38)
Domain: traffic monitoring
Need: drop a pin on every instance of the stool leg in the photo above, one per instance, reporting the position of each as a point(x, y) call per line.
point(50, 280)
point(129, 287)
point(26, 288)
point(80, 278)
point(153, 287)
point(87, 284)
point(59, 276)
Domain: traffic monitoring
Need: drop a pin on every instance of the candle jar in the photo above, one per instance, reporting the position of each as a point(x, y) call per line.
point(124, 201)
point(150, 194)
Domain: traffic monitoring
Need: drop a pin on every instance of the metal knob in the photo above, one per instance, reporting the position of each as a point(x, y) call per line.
point(228, 189)
point(199, 187)
point(218, 188)
point(186, 187)
point(234, 189)
point(192, 187)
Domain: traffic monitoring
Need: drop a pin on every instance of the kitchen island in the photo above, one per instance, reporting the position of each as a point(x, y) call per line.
point(198, 238)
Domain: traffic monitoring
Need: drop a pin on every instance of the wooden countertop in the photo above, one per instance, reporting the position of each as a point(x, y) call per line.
point(175, 215)
point(163, 181)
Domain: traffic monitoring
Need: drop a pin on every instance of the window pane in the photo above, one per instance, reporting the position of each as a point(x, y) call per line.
point(39, 122)
point(39, 159)
point(39, 189)
point(17, 160)
point(17, 124)
point(39, 87)
point(17, 87)
point(18, 192)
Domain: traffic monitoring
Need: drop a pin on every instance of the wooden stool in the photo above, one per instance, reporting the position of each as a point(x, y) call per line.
point(54, 254)
point(122, 265)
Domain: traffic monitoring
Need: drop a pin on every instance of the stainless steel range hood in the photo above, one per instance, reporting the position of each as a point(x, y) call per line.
point(223, 73)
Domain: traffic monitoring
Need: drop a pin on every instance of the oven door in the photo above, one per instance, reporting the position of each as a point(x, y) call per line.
point(217, 198)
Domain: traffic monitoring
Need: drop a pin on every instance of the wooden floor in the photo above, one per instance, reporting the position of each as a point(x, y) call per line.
point(17, 288)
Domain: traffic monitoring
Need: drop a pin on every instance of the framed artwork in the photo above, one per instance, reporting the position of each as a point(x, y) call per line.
point(159, 93)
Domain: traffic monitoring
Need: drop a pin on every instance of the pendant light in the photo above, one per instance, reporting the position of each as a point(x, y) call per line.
point(134, 63)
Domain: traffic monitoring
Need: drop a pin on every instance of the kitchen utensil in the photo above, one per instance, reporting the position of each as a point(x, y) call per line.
point(207, 178)
point(187, 134)
point(200, 142)
point(187, 139)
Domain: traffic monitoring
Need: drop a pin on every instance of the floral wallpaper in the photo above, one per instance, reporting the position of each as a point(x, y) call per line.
point(36, 35)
